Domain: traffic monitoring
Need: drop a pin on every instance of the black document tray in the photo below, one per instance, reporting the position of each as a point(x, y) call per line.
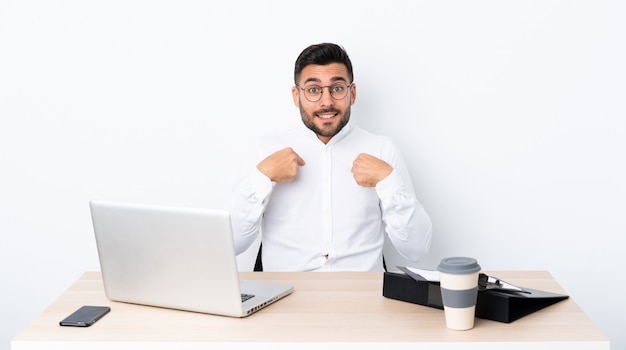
point(491, 305)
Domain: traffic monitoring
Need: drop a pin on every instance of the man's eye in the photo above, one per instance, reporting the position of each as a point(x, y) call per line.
point(337, 88)
point(314, 90)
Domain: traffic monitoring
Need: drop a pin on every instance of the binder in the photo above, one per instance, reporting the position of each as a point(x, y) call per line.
point(491, 304)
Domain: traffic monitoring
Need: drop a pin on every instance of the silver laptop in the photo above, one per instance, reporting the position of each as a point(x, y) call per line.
point(173, 257)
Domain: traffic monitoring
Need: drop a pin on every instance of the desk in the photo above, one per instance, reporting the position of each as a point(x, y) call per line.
point(335, 310)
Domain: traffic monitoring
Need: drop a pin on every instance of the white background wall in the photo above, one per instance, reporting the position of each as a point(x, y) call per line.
point(511, 116)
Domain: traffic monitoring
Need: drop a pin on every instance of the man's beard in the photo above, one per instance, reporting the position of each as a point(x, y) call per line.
point(307, 119)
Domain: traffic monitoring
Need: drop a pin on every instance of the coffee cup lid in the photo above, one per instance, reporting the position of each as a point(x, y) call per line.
point(458, 265)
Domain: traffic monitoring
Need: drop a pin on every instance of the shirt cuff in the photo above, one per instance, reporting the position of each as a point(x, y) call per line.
point(390, 185)
point(261, 184)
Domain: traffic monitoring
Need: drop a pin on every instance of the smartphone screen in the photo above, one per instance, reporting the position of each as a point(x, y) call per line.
point(85, 316)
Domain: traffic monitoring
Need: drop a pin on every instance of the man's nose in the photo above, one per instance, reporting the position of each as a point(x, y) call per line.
point(326, 99)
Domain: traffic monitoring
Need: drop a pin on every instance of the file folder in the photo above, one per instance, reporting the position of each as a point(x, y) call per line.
point(491, 304)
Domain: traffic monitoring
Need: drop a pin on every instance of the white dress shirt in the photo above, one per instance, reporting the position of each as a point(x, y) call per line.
point(324, 220)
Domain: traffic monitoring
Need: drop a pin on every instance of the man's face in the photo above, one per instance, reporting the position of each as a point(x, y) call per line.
point(328, 115)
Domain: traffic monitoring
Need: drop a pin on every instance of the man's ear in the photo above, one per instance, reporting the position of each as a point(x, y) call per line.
point(352, 94)
point(295, 94)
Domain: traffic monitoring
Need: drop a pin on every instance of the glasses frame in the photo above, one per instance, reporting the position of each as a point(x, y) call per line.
point(348, 86)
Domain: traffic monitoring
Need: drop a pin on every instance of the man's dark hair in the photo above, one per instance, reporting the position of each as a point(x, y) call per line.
point(322, 54)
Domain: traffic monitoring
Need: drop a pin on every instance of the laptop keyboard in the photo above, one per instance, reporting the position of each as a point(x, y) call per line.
point(245, 297)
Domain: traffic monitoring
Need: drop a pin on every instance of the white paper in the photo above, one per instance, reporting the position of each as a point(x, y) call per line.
point(429, 275)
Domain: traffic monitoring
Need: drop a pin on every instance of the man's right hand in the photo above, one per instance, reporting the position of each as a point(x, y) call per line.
point(281, 166)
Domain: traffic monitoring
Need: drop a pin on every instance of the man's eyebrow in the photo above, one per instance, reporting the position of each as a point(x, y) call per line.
point(316, 80)
point(339, 78)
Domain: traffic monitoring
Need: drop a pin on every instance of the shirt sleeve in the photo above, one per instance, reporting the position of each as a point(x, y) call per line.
point(406, 222)
point(246, 206)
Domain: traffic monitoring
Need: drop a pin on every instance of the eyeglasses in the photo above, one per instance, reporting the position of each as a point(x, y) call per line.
point(337, 91)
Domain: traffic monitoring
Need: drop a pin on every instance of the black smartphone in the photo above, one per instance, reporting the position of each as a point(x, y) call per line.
point(85, 316)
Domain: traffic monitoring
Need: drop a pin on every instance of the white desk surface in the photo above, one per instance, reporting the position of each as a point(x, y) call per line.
point(326, 311)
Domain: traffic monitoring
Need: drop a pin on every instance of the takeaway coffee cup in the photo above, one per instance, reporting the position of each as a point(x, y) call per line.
point(459, 290)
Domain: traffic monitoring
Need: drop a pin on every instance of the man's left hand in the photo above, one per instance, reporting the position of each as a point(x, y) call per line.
point(369, 170)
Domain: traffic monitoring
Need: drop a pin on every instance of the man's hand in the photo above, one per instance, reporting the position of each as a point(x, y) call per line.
point(281, 166)
point(369, 170)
